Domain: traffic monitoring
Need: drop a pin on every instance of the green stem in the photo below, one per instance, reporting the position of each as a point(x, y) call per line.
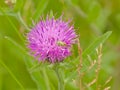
point(46, 79)
point(12, 24)
point(60, 81)
point(22, 21)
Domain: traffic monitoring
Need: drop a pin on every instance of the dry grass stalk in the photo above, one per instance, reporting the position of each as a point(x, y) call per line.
point(108, 80)
point(99, 53)
point(107, 88)
point(80, 65)
point(92, 63)
point(97, 70)
point(91, 83)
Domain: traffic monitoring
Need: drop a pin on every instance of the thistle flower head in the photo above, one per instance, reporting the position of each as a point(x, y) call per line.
point(51, 39)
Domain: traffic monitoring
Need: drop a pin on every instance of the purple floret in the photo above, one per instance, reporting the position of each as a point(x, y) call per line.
point(51, 40)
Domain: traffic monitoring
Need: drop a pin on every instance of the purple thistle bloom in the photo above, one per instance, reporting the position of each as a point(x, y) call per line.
point(51, 40)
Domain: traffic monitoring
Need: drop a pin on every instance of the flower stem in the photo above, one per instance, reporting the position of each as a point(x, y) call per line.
point(60, 82)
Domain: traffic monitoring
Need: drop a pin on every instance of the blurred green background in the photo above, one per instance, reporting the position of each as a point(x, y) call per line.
point(91, 19)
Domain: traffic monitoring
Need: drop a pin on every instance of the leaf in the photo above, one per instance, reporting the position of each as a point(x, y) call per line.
point(94, 11)
point(51, 14)
point(8, 13)
point(19, 5)
point(37, 76)
point(70, 86)
point(39, 10)
point(16, 15)
point(1, 74)
point(96, 43)
point(22, 21)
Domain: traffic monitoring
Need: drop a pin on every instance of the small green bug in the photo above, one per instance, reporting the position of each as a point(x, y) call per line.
point(60, 43)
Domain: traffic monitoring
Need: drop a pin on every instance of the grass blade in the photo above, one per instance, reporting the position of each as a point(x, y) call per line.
point(15, 43)
point(10, 72)
point(41, 7)
point(96, 43)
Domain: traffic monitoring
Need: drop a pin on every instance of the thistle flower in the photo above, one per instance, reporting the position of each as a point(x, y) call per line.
point(51, 40)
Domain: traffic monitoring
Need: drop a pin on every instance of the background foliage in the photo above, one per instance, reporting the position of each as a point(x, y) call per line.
point(91, 18)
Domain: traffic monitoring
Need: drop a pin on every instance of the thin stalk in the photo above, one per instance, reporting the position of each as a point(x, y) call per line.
point(80, 65)
point(14, 27)
point(46, 79)
point(99, 53)
point(22, 21)
point(60, 82)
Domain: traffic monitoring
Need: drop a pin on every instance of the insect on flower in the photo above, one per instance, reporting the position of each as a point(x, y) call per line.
point(60, 43)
